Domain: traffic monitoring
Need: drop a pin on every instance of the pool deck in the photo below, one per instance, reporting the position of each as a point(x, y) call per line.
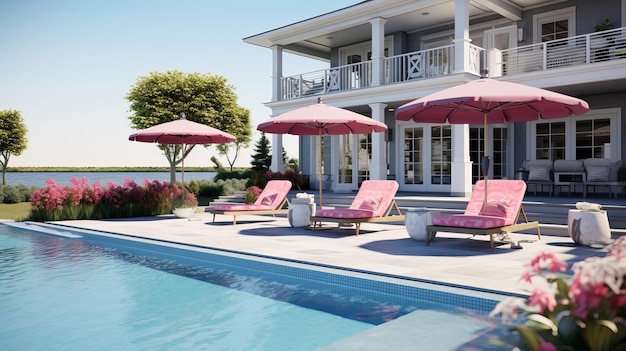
point(386, 248)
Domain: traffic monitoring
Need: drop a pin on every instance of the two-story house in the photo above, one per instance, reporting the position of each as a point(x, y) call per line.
point(384, 53)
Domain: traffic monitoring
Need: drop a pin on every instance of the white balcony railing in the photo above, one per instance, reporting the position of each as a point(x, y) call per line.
point(572, 51)
point(432, 63)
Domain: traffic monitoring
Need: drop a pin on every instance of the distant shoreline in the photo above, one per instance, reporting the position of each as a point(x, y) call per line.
point(111, 169)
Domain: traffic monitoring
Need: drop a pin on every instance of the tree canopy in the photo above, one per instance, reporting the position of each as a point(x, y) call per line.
point(204, 98)
point(12, 138)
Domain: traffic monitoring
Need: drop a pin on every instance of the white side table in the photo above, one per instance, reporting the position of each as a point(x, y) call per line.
point(588, 227)
point(416, 220)
point(300, 211)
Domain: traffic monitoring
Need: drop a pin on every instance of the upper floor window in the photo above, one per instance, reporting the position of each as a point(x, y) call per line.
point(554, 25)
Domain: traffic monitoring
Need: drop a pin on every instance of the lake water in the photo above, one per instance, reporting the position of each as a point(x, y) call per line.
point(63, 178)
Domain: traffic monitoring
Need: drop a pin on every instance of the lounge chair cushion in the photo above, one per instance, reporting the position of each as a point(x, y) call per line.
point(344, 213)
point(242, 207)
point(370, 203)
point(469, 221)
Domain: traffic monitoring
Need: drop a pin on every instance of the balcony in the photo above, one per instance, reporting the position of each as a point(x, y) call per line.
point(432, 63)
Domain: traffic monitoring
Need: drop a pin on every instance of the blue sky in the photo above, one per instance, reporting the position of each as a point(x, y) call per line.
point(67, 66)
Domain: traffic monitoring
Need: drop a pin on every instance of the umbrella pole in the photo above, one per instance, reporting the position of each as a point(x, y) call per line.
point(321, 162)
point(182, 170)
point(486, 157)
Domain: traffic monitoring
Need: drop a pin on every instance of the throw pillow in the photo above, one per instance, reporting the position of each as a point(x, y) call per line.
point(495, 209)
point(268, 200)
point(598, 174)
point(539, 174)
point(370, 203)
point(614, 172)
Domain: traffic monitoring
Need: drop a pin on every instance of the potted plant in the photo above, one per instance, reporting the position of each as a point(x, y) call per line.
point(184, 205)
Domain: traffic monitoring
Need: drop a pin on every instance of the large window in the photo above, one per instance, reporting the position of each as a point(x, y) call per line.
point(577, 138)
point(441, 155)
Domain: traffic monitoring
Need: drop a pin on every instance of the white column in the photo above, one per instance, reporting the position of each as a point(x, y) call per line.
point(277, 153)
point(277, 71)
point(461, 36)
point(378, 51)
point(461, 164)
point(378, 166)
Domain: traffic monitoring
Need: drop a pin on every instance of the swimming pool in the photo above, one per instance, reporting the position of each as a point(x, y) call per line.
point(68, 289)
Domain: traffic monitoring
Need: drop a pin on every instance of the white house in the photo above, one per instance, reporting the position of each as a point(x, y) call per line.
point(384, 53)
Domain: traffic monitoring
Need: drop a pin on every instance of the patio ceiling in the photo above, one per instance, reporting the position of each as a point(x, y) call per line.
point(314, 37)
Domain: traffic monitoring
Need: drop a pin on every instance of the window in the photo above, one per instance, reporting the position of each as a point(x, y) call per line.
point(365, 157)
point(554, 25)
point(550, 141)
point(441, 155)
point(593, 138)
point(413, 156)
point(498, 156)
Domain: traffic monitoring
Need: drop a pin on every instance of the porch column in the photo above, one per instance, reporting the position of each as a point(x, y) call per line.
point(461, 164)
point(378, 165)
point(277, 153)
point(277, 71)
point(378, 51)
point(461, 36)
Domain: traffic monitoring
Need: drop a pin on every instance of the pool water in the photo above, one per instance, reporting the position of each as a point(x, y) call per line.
point(105, 293)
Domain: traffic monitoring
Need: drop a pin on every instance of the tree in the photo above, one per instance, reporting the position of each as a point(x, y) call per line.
point(243, 140)
point(204, 98)
point(12, 138)
point(262, 159)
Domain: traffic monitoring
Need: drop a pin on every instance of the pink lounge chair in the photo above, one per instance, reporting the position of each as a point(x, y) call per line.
point(504, 205)
point(373, 203)
point(272, 200)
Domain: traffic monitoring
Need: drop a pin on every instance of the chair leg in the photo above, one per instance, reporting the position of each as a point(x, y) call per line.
point(358, 227)
point(234, 219)
point(491, 241)
point(214, 218)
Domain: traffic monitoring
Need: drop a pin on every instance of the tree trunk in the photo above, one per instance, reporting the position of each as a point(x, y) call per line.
point(172, 172)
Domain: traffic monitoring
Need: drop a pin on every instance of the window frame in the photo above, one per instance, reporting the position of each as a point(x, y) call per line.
point(568, 13)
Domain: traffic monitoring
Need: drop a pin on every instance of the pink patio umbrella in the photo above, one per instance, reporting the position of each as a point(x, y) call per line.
point(182, 132)
point(490, 101)
point(321, 119)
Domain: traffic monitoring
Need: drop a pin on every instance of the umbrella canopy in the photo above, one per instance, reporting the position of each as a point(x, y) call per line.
point(182, 132)
point(490, 101)
point(321, 119)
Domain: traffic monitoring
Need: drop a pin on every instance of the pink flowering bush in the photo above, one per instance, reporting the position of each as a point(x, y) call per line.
point(586, 311)
point(81, 201)
point(252, 193)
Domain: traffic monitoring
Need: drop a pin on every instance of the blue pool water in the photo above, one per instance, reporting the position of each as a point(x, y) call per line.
point(102, 292)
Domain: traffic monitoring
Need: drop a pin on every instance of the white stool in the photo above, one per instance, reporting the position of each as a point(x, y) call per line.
point(300, 212)
point(588, 227)
point(416, 220)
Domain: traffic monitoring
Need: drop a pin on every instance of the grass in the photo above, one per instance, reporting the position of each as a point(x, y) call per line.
point(16, 212)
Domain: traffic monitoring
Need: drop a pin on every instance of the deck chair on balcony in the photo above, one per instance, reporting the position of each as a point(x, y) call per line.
point(499, 216)
point(373, 203)
point(272, 200)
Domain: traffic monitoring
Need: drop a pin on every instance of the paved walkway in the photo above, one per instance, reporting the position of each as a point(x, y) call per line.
point(384, 248)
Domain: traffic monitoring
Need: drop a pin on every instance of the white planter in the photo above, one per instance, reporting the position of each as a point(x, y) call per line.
point(185, 212)
point(589, 227)
point(416, 220)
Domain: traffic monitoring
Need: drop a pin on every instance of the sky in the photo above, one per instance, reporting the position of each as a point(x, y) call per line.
point(67, 66)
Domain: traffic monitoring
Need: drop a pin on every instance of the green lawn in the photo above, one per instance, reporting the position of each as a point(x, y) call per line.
point(15, 212)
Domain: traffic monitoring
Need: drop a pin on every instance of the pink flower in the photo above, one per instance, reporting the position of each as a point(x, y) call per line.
point(543, 300)
point(546, 346)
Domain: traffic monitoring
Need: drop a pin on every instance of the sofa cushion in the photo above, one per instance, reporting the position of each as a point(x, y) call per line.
point(268, 200)
point(598, 174)
point(614, 172)
point(241, 207)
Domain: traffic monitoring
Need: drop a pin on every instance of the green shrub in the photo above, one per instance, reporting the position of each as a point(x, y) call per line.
point(11, 195)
